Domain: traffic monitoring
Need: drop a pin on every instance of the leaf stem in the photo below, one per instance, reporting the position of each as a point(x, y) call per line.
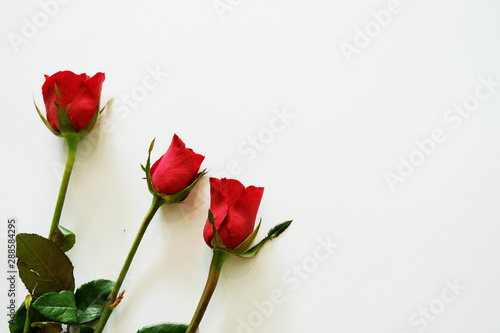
point(218, 260)
point(72, 146)
point(157, 202)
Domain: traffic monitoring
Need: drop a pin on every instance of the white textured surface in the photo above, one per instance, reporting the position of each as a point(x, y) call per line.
point(325, 166)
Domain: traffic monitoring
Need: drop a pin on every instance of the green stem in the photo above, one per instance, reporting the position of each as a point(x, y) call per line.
point(218, 260)
point(27, 324)
point(110, 302)
point(72, 145)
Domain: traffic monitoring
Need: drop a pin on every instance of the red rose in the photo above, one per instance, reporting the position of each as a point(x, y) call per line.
point(80, 92)
point(176, 169)
point(234, 208)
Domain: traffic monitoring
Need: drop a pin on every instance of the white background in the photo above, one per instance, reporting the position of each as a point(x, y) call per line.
point(352, 119)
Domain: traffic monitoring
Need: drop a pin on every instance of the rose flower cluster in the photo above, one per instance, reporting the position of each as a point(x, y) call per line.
point(53, 302)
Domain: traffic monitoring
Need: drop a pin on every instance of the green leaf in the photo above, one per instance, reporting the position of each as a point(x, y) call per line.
point(63, 238)
point(48, 327)
point(278, 229)
point(59, 307)
point(91, 299)
point(43, 267)
point(273, 233)
point(164, 328)
point(86, 329)
point(83, 307)
point(17, 325)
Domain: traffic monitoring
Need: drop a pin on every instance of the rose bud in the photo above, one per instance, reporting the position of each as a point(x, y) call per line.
point(71, 102)
point(174, 174)
point(170, 180)
point(234, 210)
point(230, 231)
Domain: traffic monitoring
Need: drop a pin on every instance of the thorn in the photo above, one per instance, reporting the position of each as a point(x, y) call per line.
point(117, 300)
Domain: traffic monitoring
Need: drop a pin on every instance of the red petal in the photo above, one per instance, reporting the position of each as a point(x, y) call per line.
point(232, 190)
point(95, 83)
point(218, 206)
point(241, 218)
point(196, 159)
point(49, 96)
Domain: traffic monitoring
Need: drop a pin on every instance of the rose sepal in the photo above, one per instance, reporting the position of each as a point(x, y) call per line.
point(181, 195)
point(147, 169)
point(94, 121)
point(243, 247)
point(216, 241)
point(66, 128)
point(169, 198)
point(240, 249)
point(45, 121)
